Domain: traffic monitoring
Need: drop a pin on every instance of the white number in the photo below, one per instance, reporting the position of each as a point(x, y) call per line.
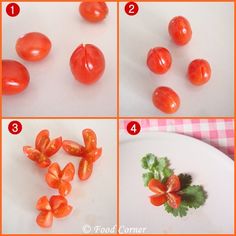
point(133, 128)
point(131, 9)
point(15, 128)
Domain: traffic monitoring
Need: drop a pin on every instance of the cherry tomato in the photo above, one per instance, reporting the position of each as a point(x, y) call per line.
point(53, 146)
point(45, 219)
point(93, 155)
point(43, 204)
point(166, 100)
point(85, 169)
point(93, 11)
point(199, 72)
point(159, 60)
point(158, 200)
point(174, 200)
point(173, 184)
point(157, 187)
point(42, 140)
point(33, 46)
point(73, 148)
point(87, 63)
point(180, 30)
point(15, 77)
point(90, 139)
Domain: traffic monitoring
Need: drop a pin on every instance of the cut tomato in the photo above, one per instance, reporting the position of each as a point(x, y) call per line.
point(158, 200)
point(157, 187)
point(42, 140)
point(73, 148)
point(173, 184)
point(43, 204)
point(62, 211)
point(68, 172)
point(93, 155)
point(85, 169)
point(90, 139)
point(45, 219)
point(53, 147)
point(174, 200)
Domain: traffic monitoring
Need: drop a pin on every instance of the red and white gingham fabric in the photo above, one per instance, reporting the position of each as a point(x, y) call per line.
point(216, 132)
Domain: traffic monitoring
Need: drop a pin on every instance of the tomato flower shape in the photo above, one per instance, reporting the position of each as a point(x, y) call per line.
point(57, 206)
point(167, 192)
point(60, 179)
point(44, 149)
point(89, 152)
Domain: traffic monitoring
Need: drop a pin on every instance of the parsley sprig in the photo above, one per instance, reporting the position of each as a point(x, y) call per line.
point(193, 196)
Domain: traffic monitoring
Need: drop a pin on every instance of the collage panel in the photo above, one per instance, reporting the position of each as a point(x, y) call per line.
point(68, 63)
point(50, 185)
point(177, 59)
point(174, 175)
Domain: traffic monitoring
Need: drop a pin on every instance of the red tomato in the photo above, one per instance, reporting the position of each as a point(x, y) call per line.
point(174, 200)
point(90, 139)
point(159, 60)
point(180, 30)
point(158, 200)
point(87, 63)
point(199, 72)
point(42, 140)
point(15, 77)
point(173, 184)
point(33, 46)
point(93, 11)
point(43, 204)
point(45, 219)
point(93, 155)
point(157, 187)
point(53, 147)
point(85, 169)
point(73, 148)
point(166, 100)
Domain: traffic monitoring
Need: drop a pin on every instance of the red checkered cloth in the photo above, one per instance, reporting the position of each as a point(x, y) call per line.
point(216, 132)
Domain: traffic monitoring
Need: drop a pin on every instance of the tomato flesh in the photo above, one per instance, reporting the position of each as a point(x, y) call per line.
point(93, 11)
point(180, 30)
point(87, 63)
point(174, 200)
point(33, 46)
point(173, 184)
point(166, 100)
point(73, 148)
point(45, 219)
point(42, 140)
point(90, 139)
point(85, 169)
point(159, 60)
point(15, 77)
point(157, 187)
point(53, 147)
point(158, 200)
point(199, 72)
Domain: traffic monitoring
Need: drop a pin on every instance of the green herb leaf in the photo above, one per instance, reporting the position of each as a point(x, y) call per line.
point(149, 161)
point(185, 180)
point(147, 177)
point(193, 196)
point(181, 211)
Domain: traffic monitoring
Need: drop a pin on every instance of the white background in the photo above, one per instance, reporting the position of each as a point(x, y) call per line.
point(207, 166)
point(53, 91)
point(93, 201)
point(212, 39)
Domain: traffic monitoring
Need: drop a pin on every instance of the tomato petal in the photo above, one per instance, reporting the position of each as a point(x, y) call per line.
point(93, 155)
point(53, 147)
point(62, 211)
point(90, 139)
point(157, 187)
point(52, 180)
point(173, 184)
point(174, 200)
point(56, 200)
point(85, 169)
point(31, 153)
point(68, 172)
point(45, 219)
point(55, 170)
point(64, 188)
point(158, 200)
point(43, 163)
point(73, 148)
point(43, 204)
point(42, 140)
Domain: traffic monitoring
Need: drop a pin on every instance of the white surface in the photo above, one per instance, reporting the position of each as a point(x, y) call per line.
point(208, 167)
point(212, 39)
point(53, 91)
point(94, 200)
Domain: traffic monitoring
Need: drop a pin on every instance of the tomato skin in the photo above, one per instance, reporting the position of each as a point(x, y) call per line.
point(45, 219)
point(157, 187)
point(87, 63)
point(174, 200)
point(166, 100)
point(53, 147)
point(199, 72)
point(180, 30)
point(159, 60)
point(90, 139)
point(33, 46)
point(73, 148)
point(93, 11)
point(173, 184)
point(15, 77)
point(93, 155)
point(158, 200)
point(85, 169)
point(42, 140)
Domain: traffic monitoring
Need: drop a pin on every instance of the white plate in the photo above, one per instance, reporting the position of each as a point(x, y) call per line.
point(93, 201)
point(208, 167)
point(212, 23)
point(52, 90)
